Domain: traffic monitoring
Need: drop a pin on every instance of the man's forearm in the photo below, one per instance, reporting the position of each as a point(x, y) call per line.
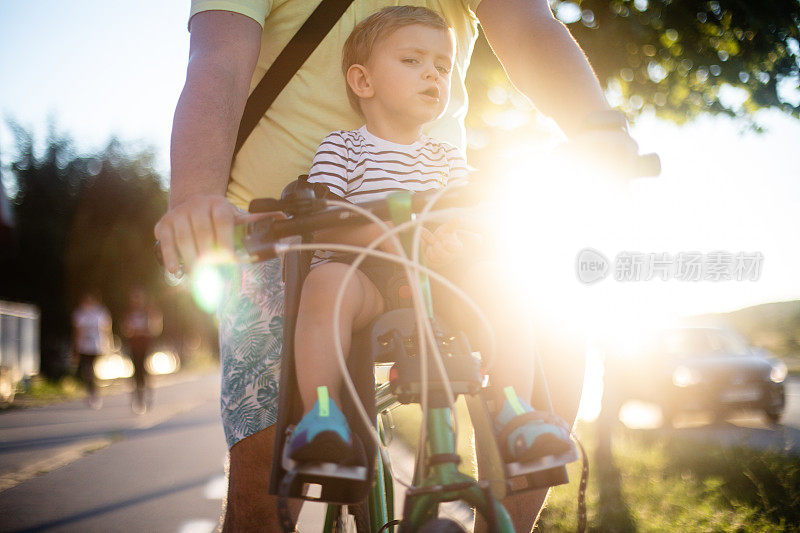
point(203, 136)
point(543, 60)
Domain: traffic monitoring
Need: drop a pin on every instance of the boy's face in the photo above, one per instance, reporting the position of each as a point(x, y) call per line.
point(410, 73)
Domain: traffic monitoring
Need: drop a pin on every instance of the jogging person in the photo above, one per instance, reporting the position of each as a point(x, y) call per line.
point(232, 44)
point(142, 323)
point(91, 323)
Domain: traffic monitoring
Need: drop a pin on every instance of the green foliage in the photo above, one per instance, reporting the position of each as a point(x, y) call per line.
point(773, 326)
point(46, 194)
point(662, 482)
point(42, 391)
point(679, 57)
point(85, 222)
point(110, 242)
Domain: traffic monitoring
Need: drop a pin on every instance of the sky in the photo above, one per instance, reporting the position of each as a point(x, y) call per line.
point(116, 68)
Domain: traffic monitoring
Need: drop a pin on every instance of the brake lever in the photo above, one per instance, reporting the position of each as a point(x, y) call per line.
point(259, 240)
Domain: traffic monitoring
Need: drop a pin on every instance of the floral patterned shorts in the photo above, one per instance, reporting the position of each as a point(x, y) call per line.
point(250, 338)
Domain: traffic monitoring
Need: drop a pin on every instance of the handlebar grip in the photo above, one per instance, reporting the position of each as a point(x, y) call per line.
point(647, 165)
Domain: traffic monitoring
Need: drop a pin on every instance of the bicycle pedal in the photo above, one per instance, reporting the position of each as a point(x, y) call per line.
point(544, 463)
point(320, 469)
point(547, 471)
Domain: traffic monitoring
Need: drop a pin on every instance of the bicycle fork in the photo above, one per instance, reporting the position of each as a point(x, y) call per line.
point(444, 483)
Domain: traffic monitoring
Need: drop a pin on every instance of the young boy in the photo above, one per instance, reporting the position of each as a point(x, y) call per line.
point(397, 64)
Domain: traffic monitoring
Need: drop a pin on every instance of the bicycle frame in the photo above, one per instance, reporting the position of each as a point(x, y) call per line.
point(438, 482)
point(443, 481)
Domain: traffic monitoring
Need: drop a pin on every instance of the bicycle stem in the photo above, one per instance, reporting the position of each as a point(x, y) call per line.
point(400, 209)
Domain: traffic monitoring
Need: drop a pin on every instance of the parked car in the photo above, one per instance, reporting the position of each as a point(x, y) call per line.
point(696, 369)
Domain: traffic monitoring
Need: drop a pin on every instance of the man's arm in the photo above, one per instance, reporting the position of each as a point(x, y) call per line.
point(223, 51)
point(543, 60)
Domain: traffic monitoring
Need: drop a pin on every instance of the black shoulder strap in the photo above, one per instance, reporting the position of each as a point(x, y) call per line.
point(288, 62)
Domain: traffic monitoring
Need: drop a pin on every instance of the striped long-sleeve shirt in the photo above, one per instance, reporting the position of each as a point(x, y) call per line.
point(359, 167)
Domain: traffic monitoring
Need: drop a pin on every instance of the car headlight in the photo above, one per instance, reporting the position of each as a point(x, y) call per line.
point(685, 377)
point(778, 372)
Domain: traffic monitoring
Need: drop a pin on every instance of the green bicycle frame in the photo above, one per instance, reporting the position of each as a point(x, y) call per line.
point(441, 482)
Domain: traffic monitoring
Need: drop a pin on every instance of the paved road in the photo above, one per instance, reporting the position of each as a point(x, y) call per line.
point(68, 468)
point(744, 429)
point(752, 431)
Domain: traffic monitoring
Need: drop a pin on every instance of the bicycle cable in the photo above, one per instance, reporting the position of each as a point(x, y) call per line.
point(412, 273)
point(347, 381)
point(413, 278)
point(412, 269)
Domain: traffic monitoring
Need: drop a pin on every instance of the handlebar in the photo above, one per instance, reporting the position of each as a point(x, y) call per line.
point(259, 238)
point(309, 213)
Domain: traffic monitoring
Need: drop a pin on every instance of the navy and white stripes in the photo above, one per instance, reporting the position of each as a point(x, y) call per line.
point(359, 167)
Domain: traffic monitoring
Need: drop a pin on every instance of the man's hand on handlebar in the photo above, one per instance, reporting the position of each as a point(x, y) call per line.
point(605, 146)
point(447, 243)
point(193, 228)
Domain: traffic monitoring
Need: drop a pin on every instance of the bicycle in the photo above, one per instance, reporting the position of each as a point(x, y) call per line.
point(360, 496)
point(392, 337)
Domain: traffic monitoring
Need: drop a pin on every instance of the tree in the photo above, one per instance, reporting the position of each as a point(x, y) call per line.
point(33, 271)
point(86, 222)
point(678, 59)
point(683, 58)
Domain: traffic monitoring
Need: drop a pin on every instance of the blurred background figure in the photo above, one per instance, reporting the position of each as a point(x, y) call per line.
point(91, 322)
point(143, 323)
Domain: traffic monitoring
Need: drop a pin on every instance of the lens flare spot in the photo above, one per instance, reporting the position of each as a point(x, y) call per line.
point(160, 363)
point(207, 285)
point(641, 415)
point(113, 366)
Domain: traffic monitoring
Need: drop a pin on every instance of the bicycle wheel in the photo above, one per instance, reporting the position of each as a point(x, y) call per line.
point(442, 525)
point(351, 519)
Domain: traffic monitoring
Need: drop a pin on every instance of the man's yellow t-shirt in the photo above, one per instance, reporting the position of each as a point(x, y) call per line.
point(314, 103)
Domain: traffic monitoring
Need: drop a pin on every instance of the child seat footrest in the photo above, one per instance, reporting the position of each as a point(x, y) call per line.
point(327, 478)
point(547, 471)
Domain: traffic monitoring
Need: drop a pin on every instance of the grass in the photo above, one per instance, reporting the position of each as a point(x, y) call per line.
point(652, 483)
point(43, 391)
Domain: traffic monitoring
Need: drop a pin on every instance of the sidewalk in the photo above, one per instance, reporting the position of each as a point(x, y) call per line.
point(37, 440)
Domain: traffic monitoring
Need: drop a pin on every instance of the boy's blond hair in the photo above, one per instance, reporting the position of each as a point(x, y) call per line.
point(367, 33)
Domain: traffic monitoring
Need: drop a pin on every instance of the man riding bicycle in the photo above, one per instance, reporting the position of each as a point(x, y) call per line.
point(232, 44)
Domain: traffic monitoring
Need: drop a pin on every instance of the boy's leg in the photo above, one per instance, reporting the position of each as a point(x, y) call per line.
point(315, 355)
point(521, 330)
point(520, 333)
point(496, 296)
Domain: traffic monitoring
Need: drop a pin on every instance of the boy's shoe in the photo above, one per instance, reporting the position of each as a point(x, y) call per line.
point(322, 436)
point(526, 435)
